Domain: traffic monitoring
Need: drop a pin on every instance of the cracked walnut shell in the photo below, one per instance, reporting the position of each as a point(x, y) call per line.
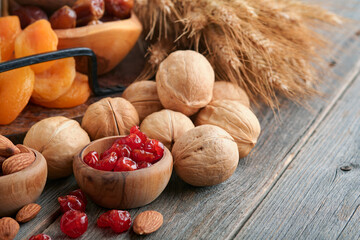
point(109, 117)
point(166, 126)
point(235, 118)
point(206, 155)
point(185, 82)
point(143, 96)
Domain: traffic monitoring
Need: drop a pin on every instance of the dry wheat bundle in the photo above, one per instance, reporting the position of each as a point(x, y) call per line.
point(265, 46)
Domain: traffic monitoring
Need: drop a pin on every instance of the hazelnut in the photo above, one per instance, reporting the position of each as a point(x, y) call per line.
point(166, 126)
point(185, 82)
point(58, 139)
point(239, 121)
point(143, 96)
point(205, 156)
point(109, 117)
point(230, 91)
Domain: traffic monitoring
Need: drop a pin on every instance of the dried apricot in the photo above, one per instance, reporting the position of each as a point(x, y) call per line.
point(16, 87)
point(10, 28)
point(36, 38)
point(54, 82)
point(78, 93)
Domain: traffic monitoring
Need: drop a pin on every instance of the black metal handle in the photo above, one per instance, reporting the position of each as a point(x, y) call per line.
point(64, 53)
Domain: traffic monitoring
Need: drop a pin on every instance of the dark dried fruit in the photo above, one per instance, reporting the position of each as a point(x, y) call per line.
point(28, 14)
point(88, 10)
point(63, 18)
point(119, 8)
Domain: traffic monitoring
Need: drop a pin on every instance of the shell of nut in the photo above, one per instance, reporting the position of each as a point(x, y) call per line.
point(230, 91)
point(109, 117)
point(166, 126)
point(238, 120)
point(58, 139)
point(144, 97)
point(8, 228)
point(185, 82)
point(206, 155)
point(147, 222)
point(28, 212)
point(17, 163)
point(7, 148)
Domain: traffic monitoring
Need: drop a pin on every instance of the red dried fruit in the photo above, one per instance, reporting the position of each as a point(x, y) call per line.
point(103, 221)
point(74, 223)
point(63, 18)
point(28, 14)
point(88, 10)
point(120, 221)
point(41, 236)
point(121, 150)
point(107, 163)
point(155, 147)
point(136, 130)
point(91, 158)
point(141, 165)
point(80, 194)
point(134, 141)
point(119, 8)
point(139, 155)
point(125, 164)
point(71, 202)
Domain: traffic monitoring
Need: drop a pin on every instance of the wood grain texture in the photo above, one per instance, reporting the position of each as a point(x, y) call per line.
point(319, 194)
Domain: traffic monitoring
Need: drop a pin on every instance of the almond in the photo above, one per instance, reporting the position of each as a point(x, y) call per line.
point(147, 222)
point(17, 162)
point(7, 148)
point(23, 148)
point(8, 228)
point(28, 212)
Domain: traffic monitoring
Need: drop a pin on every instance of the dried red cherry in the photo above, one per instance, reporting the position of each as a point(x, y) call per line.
point(63, 18)
point(119, 8)
point(107, 163)
point(141, 165)
point(121, 150)
point(136, 130)
point(134, 141)
point(80, 194)
point(41, 236)
point(155, 147)
point(91, 158)
point(74, 223)
point(118, 220)
point(103, 221)
point(125, 164)
point(71, 202)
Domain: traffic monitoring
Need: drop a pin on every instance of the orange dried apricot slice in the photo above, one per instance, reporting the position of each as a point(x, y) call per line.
point(16, 87)
point(54, 82)
point(78, 93)
point(36, 38)
point(10, 28)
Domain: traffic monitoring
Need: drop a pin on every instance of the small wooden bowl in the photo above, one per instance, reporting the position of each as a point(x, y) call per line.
point(111, 41)
point(23, 187)
point(121, 190)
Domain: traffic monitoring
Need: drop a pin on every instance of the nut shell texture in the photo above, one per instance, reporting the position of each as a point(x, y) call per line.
point(143, 96)
point(166, 126)
point(109, 117)
point(8, 228)
point(235, 118)
point(205, 156)
point(230, 91)
point(185, 81)
point(58, 139)
point(147, 222)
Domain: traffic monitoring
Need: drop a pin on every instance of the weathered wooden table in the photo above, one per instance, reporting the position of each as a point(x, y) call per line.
point(302, 180)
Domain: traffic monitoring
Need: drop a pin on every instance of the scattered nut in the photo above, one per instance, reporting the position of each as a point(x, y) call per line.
point(143, 96)
point(147, 222)
point(17, 163)
point(185, 82)
point(166, 126)
point(205, 156)
point(227, 90)
point(8, 228)
point(235, 118)
point(109, 117)
point(7, 148)
point(28, 212)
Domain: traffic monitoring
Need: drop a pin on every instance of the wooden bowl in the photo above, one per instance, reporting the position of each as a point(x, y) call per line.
point(23, 187)
point(121, 190)
point(111, 41)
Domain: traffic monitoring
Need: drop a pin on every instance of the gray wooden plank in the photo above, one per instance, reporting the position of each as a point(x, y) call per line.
point(218, 212)
point(318, 196)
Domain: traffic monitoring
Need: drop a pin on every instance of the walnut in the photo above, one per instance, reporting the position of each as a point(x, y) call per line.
point(109, 117)
point(227, 90)
point(143, 96)
point(205, 156)
point(185, 81)
point(58, 139)
point(166, 126)
point(239, 121)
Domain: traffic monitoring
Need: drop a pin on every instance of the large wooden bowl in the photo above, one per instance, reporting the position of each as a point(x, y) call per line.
point(111, 41)
point(121, 190)
point(23, 187)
